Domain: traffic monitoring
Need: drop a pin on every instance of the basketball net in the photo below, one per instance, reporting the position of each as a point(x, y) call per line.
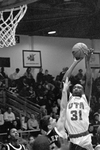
point(9, 20)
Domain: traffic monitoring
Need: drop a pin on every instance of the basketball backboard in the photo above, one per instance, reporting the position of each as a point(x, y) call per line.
point(7, 4)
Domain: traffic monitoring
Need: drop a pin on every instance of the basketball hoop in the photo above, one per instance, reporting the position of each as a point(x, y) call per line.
point(9, 20)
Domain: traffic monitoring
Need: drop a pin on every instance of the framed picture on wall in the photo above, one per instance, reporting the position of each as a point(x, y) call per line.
point(95, 60)
point(32, 59)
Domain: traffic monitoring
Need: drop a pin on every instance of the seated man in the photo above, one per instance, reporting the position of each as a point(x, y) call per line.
point(32, 123)
point(9, 116)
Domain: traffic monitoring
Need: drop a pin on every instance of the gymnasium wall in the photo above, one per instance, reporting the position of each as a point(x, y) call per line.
point(15, 54)
point(56, 53)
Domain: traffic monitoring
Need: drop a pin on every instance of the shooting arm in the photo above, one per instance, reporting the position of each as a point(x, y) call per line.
point(69, 71)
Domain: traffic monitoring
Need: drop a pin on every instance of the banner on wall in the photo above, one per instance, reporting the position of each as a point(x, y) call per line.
point(32, 59)
point(4, 62)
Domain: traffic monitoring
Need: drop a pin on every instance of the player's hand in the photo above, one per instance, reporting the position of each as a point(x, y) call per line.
point(77, 60)
point(66, 84)
point(90, 52)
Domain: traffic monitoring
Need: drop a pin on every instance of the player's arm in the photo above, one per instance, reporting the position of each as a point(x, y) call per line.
point(61, 121)
point(64, 98)
point(88, 85)
point(71, 68)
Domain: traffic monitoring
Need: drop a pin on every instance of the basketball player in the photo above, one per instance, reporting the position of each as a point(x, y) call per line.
point(76, 107)
point(14, 141)
point(48, 128)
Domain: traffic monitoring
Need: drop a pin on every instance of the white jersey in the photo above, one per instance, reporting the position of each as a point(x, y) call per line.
point(77, 115)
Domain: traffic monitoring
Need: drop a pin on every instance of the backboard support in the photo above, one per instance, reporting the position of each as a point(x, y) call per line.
point(8, 4)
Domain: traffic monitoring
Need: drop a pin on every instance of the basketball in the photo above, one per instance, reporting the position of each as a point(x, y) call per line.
point(79, 50)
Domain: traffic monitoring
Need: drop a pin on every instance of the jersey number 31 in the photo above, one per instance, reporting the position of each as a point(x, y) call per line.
point(76, 115)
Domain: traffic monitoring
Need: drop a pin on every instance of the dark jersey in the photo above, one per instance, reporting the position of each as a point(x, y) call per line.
point(54, 137)
point(9, 146)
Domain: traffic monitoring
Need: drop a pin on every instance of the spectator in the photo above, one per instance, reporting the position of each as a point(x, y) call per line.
point(94, 103)
point(15, 125)
point(96, 122)
point(15, 75)
point(31, 142)
point(32, 123)
point(48, 86)
point(25, 83)
point(28, 73)
point(13, 87)
point(98, 139)
point(47, 76)
point(24, 88)
point(54, 113)
point(29, 76)
point(93, 133)
point(43, 111)
point(99, 113)
point(40, 93)
point(1, 121)
point(40, 76)
point(80, 74)
point(9, 116)
point(91, 129)
point(3, 75)
point(62, 73)
point(3, 78)
point(96, 119)
point(31, 139)
point(96, 88)
point(32, 94)
point(23, 123)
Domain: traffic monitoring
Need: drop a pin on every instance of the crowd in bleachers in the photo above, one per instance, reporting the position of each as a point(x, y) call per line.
point(46, 92)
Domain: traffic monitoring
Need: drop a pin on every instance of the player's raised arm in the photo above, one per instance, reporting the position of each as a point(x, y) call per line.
point(88, 86)
point(64, 98)
point(79, 51)
point(71, 68)
point(61, 121)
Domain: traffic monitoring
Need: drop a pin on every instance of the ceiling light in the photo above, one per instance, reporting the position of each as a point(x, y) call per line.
point(51, 32)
